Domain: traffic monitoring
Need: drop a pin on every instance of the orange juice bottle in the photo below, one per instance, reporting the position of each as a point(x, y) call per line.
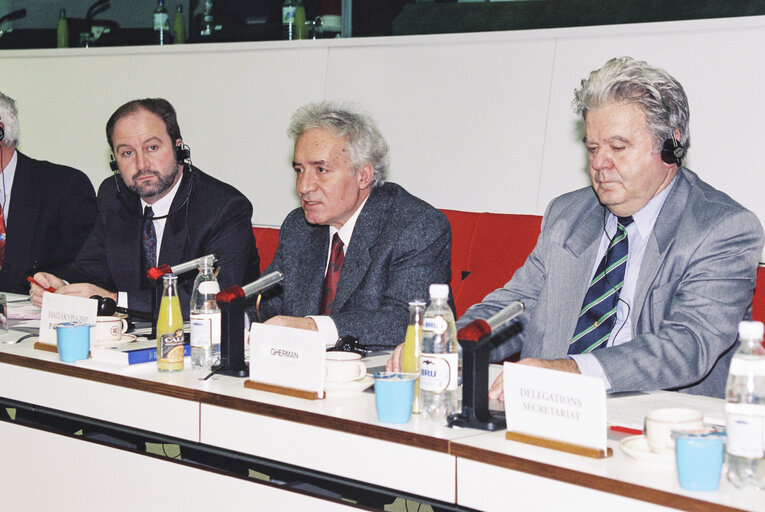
point(410, 357)
point(170, 328)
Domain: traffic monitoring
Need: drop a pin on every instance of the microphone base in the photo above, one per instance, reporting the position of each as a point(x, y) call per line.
point(231, 372)
point(468, 419)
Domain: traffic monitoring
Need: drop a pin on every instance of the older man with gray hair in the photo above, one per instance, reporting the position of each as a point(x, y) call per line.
point(358, 249)
point(642, 278)
point(46, 210)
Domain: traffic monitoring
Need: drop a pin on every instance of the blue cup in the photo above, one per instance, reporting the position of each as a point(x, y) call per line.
point(699, 456)
point(73, 341)
point(394, 396)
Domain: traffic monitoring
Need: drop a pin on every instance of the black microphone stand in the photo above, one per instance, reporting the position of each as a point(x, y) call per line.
point(474, 340)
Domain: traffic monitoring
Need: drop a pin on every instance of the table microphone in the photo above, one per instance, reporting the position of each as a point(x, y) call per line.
point(234, 292)
point(180, 268)
point(479, 328)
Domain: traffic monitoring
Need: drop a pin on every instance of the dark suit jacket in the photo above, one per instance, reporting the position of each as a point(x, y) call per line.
point(400, 245)
point(52, 211)
point(216, 219)
point(694, 286)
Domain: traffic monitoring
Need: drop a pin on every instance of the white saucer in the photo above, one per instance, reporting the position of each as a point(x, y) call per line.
point(354, 386)
point(126, 338)
point(637, 448)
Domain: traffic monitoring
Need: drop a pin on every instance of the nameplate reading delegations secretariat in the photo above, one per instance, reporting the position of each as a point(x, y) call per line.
point(57, 308)
point(557, 406)
point(287, 357)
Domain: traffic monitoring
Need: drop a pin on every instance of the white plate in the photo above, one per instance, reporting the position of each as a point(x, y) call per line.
point(126, 338)
point(637, 448)
point(354, 386)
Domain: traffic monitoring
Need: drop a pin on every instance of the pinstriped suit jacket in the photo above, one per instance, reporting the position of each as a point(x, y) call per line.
point(400, 245)
point(694, 286)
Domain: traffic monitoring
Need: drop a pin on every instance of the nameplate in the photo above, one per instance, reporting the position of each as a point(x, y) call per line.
point(566, 409)
point(287, 358)
point(58, 308)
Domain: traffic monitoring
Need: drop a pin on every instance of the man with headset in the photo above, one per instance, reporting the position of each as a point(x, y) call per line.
point(157, 209)
point(52, 210)
point(642, 278)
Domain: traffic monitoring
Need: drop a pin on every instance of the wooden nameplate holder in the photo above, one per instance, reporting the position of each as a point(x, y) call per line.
point(282, 390)
point(562, 446)
point(47, 347)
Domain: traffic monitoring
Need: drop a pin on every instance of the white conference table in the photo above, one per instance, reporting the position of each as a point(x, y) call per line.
point(339, 435)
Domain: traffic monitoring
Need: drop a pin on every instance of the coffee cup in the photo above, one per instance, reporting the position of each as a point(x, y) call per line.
point(660, 423)
point(109, 329)
point(344, 367)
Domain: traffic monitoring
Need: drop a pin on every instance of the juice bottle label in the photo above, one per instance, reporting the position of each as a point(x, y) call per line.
point(170, 356)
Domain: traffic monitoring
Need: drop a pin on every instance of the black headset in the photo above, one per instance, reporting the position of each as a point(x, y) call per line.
point(672, 152)
point(2, 132)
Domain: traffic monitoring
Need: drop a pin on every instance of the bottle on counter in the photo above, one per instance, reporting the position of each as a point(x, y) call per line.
point(208, 21)
point(170, 327)
point(410, 357)
point(161, 24)
point(205, 318)
point(439, 359)
point(745, 409)
point(62, 31)
point(293, 20)
point(179, 26)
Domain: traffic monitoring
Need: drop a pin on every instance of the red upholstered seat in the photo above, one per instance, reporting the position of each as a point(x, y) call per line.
point(267, 240)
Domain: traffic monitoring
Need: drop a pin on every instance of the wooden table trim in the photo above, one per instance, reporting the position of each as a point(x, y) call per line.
point(588, 480)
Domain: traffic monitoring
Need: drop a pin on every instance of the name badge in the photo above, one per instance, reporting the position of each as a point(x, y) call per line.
point(287, 357)
point(555, 405)
point(57, 308)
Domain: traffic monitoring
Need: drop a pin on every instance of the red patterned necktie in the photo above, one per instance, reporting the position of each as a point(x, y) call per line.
point(149, 239)
point(2, 236)
point(329, 289)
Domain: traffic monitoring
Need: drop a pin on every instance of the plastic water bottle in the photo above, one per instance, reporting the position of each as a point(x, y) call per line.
point(745, 409)
point(161, 24)
point(439, 359)
point(205, 318)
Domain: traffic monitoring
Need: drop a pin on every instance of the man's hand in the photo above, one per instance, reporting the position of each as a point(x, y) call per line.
point(497, 390)
point(47, 281)
point(298, 322)
point(86, 290)
point(562, 365)
point(394, 363)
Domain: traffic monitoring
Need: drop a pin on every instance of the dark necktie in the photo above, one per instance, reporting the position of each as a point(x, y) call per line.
point(149, 238)
point(329, 290)
point(598, 314)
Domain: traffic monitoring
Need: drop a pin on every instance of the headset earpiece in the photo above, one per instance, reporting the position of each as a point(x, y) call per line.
point(2, 132)
point(182, 153)
point(672, 152)
point(113, 165)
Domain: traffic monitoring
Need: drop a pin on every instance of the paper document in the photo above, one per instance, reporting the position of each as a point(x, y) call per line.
point(630, 409)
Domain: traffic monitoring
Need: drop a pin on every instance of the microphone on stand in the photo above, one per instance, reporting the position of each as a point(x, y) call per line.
point(231, 302)
point(474, 340)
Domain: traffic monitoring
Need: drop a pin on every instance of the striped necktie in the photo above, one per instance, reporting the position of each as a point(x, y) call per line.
point(598, 314)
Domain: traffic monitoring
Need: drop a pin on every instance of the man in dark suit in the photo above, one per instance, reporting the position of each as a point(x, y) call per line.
point(47, 210)
point(391, 245)
point(158, 210)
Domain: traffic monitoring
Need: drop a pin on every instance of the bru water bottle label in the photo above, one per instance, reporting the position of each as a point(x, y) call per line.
point(436, 324)
point(745, 430)
point(205, 330)
point(438, 372)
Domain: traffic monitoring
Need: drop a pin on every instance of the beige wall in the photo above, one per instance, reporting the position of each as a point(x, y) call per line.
point(477, 122)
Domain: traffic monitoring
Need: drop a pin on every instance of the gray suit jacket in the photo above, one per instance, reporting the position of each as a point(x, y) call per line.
point(400, 245)
point(695, 284)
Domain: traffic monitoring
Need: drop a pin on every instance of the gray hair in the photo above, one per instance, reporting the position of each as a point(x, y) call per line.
point(366, 144)
point(626, 80)
point(9, 118)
